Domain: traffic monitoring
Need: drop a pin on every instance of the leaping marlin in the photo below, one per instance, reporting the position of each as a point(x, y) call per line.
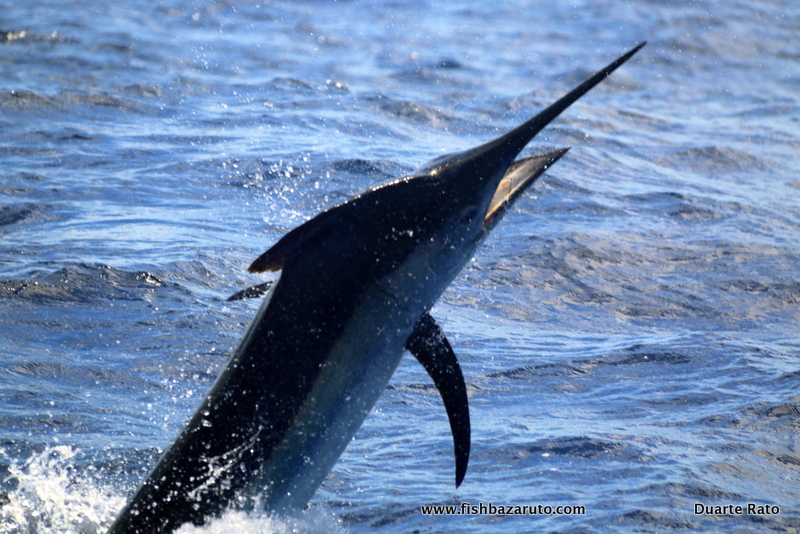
point(355, 286)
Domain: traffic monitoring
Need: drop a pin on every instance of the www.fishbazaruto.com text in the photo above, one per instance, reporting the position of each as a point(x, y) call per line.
point(466, 508)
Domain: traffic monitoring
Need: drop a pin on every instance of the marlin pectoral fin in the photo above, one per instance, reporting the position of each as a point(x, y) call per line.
point(429, 345)
point(251, 292)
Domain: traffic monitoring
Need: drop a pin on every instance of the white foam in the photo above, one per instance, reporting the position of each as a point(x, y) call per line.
point(312, 521)
point(53, 494)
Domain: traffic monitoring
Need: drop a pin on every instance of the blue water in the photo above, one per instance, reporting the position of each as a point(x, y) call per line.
point(630, 333)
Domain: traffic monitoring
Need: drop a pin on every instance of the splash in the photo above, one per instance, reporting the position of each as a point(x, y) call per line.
point(52, 495)
point(311, 521)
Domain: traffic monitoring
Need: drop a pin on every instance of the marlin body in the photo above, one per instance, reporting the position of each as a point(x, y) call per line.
point(355, 286)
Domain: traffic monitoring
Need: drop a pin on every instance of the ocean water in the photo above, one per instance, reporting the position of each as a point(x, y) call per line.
point(629, 335)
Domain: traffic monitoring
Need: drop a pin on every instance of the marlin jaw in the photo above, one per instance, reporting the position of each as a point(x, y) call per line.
point(354, 291)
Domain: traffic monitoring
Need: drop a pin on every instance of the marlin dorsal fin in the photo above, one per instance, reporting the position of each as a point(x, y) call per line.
point(275, 258)
point(430, 346)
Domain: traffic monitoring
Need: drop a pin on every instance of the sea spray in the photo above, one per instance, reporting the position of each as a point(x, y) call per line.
point(50, 493)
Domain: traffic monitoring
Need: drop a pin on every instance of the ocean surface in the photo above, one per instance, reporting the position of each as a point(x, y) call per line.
point(630, 334)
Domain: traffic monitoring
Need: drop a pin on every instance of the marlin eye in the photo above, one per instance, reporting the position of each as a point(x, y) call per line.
point(469, 215)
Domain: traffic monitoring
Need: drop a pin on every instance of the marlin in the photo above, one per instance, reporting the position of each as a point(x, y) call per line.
point(353, 293)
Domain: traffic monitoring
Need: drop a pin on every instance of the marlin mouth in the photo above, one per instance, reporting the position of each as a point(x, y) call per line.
point(520, 175)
